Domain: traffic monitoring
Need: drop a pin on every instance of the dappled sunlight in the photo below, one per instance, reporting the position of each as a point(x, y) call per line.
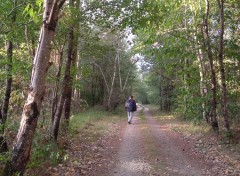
point(188, 128)
point(166, 117)
point(179, 125)
point(136, 166)
point(143, 128)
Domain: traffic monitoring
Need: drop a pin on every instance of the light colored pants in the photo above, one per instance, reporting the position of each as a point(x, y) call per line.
point(130, 116)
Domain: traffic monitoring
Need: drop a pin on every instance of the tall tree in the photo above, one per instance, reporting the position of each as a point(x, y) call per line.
point(213, 113)
point(66, 95)
point(72, 53)
point(221, 65)
point(22, 147)
point(8, 87)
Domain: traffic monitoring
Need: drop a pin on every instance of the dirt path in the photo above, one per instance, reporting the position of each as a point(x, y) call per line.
point(148, 148)
point(132, 156)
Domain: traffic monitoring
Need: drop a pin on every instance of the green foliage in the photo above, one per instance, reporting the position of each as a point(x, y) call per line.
point(92, 115)
point(142, 116)
point(4, 157)
point(33, 10)
point(169, 37)
point(194, 110)
point(46, 152)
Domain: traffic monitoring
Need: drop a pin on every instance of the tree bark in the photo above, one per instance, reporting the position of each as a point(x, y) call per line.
point(9, 45)
point(112, 83)
point(66, 88)
point(8, 87)
point(221, 65)
point(72, 54)
point(3, 141)
point(202, 82)
point(56, 89)
point(7, 95)
point(32, 107)
point(213, 114)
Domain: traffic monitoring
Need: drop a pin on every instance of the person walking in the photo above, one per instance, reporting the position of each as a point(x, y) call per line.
point(130, 106)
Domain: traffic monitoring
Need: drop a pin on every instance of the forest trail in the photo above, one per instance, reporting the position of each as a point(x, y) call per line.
point(148, 148)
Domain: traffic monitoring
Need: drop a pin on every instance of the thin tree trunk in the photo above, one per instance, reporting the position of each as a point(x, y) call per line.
point(31, 51)
point(66, 87)
point(221, 65)
point(202, 82)
point(58, 76)
point(56, 121)
point(8, 87)
point(202, 73)
point(67, 107)
point(77, 102)
point(3, 141)
point(32, 107)
point(122, 84)
point(161, 91)
point(73, 55)
point(213, 114)
point(8, 81)
point(112, 83)
point(76, 94)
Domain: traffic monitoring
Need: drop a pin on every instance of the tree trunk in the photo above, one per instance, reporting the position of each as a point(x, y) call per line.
point(72, 54)
point(58, 77)
point(57, 117)
point(77, 102)
point(67, 107)
point(23, 142)
point(201, 65)
point(213, 114)
point(161, 91)
point(3, 141)
point(66, 87)
point(112, 83)
point(8, 81)
point(221, 65)
point(7, 95)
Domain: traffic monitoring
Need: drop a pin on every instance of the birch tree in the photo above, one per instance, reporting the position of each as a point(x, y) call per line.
point(22, 147)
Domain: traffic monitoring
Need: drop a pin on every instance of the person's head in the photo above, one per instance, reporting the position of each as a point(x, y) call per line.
point(131, 97)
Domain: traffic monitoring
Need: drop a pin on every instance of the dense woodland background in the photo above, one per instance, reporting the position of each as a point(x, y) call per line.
point(60, 58)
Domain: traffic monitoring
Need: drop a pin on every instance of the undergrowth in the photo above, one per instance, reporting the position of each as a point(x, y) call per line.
point(141, 114)
point(179, 123)
point(46, 152)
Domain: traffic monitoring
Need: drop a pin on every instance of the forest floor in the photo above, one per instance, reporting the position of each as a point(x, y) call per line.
point(148, 146)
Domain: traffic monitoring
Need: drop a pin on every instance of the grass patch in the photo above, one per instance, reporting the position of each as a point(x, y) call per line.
point(87, 126)
point(94, 117)
point(178, 124)
point(141, 115)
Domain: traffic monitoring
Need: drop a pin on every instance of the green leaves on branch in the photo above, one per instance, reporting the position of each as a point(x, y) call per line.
point(33, 10)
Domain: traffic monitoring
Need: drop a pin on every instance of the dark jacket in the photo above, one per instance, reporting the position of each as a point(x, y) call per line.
point(131, 105)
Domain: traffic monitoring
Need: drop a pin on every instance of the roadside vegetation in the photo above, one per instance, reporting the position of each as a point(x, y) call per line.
point(91, 124)
point(60, 58)
point(219, 148)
